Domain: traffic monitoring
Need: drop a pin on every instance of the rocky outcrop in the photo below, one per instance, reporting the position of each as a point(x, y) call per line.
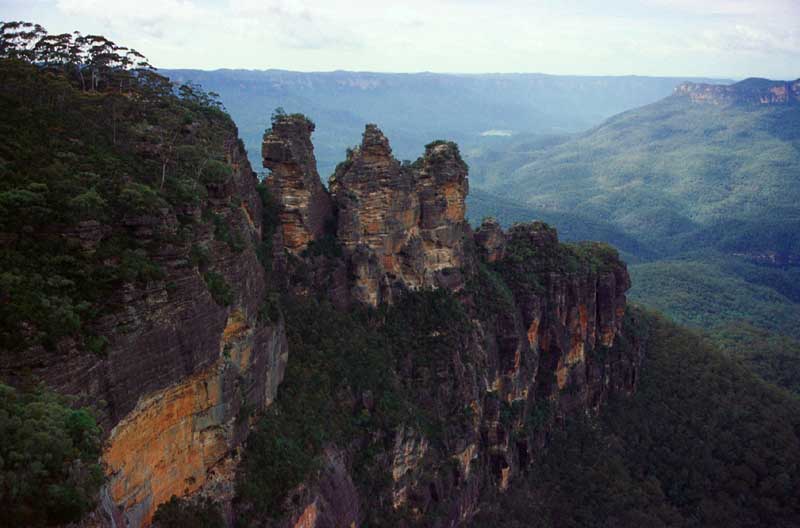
point(491, 240)
point(189, 357)
point(402, 226)
point(542, 339)
point(751, 91)
point(532, 335)
point(304, 204)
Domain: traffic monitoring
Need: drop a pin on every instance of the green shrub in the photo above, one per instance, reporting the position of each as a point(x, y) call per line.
point(96, 344)
point(223, 231)
point(198, 256)
point(219, 289)
point(49, 470)
point(141, 199)
point(136, 266)
point(216, 171)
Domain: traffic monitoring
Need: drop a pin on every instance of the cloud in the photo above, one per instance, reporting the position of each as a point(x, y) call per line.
point(649, 37)
point(744, 38)
point(293, 24)
point(732, 8)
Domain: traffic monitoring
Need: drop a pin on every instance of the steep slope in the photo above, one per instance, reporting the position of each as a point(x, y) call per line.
point(129, 226)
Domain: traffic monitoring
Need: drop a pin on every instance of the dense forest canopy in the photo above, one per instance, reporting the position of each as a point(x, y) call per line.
point(92, 135)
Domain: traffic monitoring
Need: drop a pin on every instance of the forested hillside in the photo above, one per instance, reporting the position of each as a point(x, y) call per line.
point(128, 219)
point(701, 196)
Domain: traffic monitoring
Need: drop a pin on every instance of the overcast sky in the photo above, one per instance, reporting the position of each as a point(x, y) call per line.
point(721, 38)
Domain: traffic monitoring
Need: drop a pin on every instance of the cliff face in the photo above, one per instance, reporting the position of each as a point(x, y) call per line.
point(540, 340)
point(748, 92)
point(491, 340)
point(188, 356)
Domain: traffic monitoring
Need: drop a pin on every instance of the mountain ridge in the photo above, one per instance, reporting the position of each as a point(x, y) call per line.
point(413, 109)
point(750, 91)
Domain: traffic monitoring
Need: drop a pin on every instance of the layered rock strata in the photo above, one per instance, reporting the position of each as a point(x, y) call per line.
point(543, 340)
point(183, 369)
point(304, 204)
point(401, 227)
point(748, 92)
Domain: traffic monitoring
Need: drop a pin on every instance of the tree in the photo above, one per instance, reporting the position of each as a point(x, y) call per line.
point(49, 470)
point(18, 40)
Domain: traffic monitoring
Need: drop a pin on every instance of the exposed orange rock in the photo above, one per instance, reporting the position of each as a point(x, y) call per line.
point(167, 444)
point(308, 519)
point(533, 333)
point(173, 439)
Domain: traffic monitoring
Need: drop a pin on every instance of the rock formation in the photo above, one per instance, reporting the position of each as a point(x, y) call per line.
point(403, 226)
point(543, 340)
point(748, 92)
point(193, 355)
point(304, 204)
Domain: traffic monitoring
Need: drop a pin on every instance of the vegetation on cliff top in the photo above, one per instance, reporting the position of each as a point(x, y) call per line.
point(104, 165)
point(93, 141)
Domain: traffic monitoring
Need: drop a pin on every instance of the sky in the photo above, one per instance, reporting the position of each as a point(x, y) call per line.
point(709, 38)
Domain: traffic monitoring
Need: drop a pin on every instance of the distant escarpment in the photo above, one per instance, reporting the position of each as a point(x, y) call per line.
point(751, 91)
point(444, 357)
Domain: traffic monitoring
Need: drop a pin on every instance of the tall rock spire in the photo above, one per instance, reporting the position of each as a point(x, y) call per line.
point(305, 206)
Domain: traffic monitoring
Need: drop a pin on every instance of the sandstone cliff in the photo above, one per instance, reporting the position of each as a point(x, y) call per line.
point(304, 204)
point(188, 355)
point(748, 92)
point(475, 344)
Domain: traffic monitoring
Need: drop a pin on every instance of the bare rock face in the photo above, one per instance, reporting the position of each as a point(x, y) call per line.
point(402, 226)
point(491, 240)
point(305, 206)
point(748, 92)
point(183, 368)
point(573, 311)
